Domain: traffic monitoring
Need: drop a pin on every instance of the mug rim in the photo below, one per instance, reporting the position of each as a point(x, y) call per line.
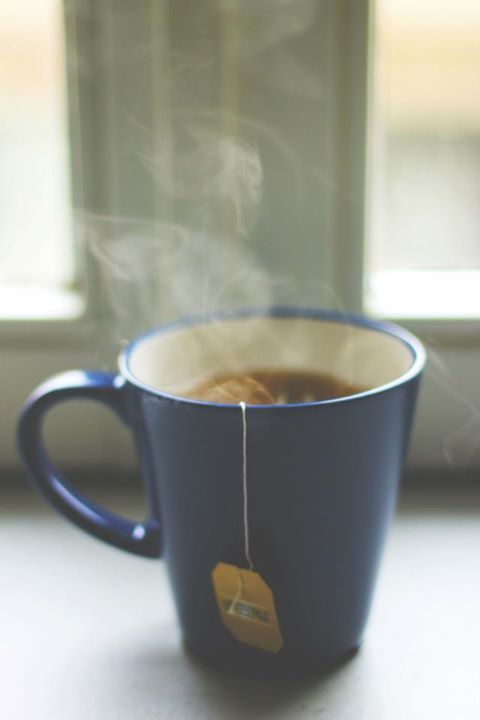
point(413, 344)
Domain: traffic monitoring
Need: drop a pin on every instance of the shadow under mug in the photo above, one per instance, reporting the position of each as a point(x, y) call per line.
point(322, 476)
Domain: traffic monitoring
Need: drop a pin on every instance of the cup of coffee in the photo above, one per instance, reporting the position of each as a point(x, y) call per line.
point(271, 444)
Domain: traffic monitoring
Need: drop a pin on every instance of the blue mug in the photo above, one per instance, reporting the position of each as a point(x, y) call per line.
point(322, 476)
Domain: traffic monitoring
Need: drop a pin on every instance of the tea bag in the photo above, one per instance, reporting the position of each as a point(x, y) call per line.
point(235, 390)
point(247, 608)
point(245, 602)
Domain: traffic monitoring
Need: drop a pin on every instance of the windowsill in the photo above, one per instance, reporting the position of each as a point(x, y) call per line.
point(423, 294)
point(22, 302)
point(110, 627)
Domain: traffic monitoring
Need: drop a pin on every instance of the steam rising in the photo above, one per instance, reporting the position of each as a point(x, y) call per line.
point(216, 172)
point(153, 271)
point(237, 157)
point(218, 158)
point(199, 272)
point(461, 445)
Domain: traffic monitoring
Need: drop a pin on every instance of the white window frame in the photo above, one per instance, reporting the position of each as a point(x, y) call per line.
point(32, 350)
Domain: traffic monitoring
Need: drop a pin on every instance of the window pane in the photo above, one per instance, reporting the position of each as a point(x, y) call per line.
point(35, 231)
point(426, 141)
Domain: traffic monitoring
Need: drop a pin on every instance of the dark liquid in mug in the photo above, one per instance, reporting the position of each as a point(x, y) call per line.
point(272, 387)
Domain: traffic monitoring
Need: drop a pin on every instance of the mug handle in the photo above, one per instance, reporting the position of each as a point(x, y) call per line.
point(138, 538)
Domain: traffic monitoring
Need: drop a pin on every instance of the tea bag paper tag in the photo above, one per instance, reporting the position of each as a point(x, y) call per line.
point(246, 606)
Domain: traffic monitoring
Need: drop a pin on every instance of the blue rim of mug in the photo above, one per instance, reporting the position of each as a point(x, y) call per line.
point(413, 344)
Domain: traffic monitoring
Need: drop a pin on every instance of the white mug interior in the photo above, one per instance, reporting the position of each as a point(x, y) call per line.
point(175, 360)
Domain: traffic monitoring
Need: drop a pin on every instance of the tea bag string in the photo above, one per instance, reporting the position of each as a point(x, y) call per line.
point(246, 529)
